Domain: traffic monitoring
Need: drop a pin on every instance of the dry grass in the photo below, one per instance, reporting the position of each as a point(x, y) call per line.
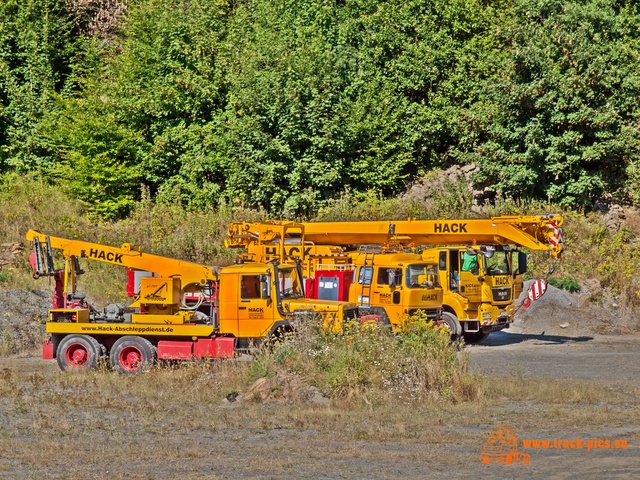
point(174, 422)
point(397, 409)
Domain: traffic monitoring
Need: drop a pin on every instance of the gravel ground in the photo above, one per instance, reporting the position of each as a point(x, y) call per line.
point(554, 338)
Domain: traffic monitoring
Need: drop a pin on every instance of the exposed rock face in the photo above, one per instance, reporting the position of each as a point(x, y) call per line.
point(282, 388)
point(22, 316)
point(614, 218)
point(10, 254)
point(453, 175)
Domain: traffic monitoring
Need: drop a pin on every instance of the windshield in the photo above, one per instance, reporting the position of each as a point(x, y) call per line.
point(422, 276)
point(288, 283)
point(497, 264)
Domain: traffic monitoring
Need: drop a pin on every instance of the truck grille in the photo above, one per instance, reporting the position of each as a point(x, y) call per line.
point(501, 294)
point(350, 313)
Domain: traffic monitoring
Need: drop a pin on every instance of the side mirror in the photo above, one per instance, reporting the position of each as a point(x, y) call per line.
point(522, 263)
point(265, 291)
point(442, 264)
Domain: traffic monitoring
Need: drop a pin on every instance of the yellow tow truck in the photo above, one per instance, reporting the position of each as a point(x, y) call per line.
point(234, 306)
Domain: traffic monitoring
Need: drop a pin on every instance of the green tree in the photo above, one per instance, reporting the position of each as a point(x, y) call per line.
point(562, 123)
point(98, 158)
point(363, 94)
point(167, 84)
point(289, 105)
point(37, 51)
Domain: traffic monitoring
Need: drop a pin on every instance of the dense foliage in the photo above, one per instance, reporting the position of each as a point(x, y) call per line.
point(286, 105)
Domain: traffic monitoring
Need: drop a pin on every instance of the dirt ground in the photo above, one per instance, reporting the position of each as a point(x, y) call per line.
point(556, 339)
point(268, 442)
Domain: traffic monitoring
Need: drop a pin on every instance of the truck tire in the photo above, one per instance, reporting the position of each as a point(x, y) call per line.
point(103, 351)
point(132, 355)
point(78, 352)
point(452, 324)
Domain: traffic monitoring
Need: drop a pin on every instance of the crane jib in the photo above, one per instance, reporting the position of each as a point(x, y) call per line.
point(450, 228)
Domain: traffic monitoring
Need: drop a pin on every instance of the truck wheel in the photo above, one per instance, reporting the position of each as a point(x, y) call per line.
point(78, 352)
point(474, 337)
point(103, 350)
point(132, 355)
point(377, 315)
point(452, 324)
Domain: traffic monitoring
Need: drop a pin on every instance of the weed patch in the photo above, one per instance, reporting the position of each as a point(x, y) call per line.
point(368, 363)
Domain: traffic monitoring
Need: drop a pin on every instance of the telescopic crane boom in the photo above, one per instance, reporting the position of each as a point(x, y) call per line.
point(479, 269)
point(536, 232)
point(190, 274)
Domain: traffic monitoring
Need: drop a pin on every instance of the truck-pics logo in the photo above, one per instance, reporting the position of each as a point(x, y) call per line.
point(502, 446)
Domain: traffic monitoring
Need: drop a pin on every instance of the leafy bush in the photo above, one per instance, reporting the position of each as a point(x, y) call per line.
point(560, 111)
point(565, 283)
point(38, 52)
point(369, 362)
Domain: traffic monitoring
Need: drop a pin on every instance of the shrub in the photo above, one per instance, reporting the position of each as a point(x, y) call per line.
point(365, 361)
point(565, 283)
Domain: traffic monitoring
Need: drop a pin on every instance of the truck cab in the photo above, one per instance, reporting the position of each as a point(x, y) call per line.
point(480, 284)
point(395, 285)
point(386, 284)
point(258, 300)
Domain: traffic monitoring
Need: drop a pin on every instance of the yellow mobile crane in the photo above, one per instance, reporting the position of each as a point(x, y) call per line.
point(385, 283)
point(243, 303)
point(480, 271)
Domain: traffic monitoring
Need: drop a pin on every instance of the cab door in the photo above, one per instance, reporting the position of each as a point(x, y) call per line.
point(255, 307)
point(468, 284)
point(360, 289)
point(387, 289)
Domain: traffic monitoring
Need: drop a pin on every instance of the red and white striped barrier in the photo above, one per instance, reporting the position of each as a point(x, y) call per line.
point(536, 290)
